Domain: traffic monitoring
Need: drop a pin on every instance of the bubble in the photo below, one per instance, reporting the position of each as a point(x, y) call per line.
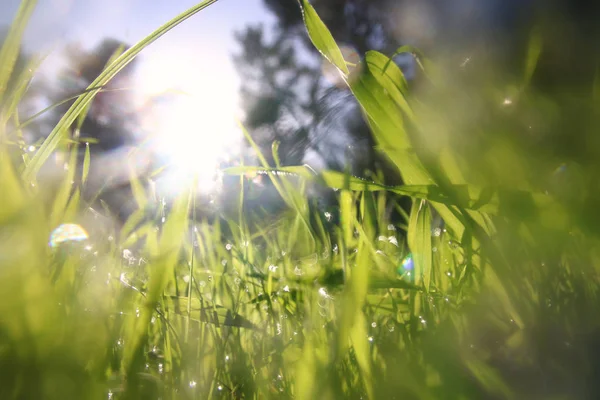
point(223, 262)
point(186, 278)
point(507, 101)
point(327, 216)
point(286, 288)
point(273, 268)
point(202, 283)
point(220, 387)
point(226, 358)
point(436, 232)
point(228, 246)
point(67, 233)
point(193, 384)
point(31, 149)
point(374, 324)
point(160, 368)
point(393, 240)
point(391, 227)
point(371, 339)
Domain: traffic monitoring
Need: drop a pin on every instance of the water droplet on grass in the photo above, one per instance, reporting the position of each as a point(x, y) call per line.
point(67, 233)
point(323, 292)
point(407, 264)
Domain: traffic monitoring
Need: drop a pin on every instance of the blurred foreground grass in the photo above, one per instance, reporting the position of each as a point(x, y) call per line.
point(499, 301)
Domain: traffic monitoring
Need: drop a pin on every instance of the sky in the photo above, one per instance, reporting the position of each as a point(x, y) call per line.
point(195, 58)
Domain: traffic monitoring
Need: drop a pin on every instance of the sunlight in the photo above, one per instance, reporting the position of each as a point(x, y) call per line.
point(192, 122)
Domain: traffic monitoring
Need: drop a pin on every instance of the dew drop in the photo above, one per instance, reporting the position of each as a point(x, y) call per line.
point(67, 233)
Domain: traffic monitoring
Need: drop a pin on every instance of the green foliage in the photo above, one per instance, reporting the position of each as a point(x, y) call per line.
point(496, 302)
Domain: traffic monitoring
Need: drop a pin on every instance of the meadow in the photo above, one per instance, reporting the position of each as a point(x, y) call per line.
point(487, 288)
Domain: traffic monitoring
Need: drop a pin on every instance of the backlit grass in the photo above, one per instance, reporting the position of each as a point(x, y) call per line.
point(499, 300)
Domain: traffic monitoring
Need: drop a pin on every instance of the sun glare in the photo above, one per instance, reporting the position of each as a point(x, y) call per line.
point(192, 124)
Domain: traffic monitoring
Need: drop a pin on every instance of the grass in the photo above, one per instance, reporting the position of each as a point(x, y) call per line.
point(498, 302)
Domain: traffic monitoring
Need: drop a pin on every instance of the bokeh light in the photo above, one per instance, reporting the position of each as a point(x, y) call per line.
point(66, 233)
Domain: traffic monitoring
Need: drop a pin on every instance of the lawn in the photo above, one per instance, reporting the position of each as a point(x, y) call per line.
point(487, 287)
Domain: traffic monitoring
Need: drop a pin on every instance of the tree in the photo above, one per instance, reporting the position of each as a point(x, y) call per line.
point(110, 127)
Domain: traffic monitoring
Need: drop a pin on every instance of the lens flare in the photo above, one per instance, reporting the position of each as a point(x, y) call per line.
point(66, 233)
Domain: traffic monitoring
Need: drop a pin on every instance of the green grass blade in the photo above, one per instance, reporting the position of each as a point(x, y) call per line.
point(12, 44)
point(321, 37)
point(80, 104)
